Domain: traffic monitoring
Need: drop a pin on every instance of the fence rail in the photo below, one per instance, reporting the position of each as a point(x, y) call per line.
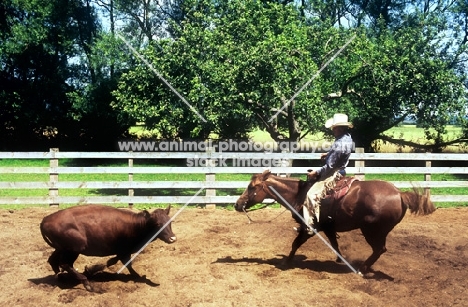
point(210, 164)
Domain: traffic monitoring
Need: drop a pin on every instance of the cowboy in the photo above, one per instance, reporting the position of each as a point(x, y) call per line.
point(336, 160)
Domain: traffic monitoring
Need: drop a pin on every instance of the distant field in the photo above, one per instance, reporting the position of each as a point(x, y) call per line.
point(415, 134)
point(405, 132)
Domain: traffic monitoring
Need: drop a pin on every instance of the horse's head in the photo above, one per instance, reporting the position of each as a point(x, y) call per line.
point(255, 193)
point(287, 191)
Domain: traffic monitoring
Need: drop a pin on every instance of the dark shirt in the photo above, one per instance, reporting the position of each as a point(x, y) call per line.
point(338, 156)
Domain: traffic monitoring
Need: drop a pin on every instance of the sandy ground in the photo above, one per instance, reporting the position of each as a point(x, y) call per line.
point(222, 260)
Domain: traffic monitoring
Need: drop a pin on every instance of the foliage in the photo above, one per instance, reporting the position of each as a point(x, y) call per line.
point(244, 61)
point(32, 92)
point(67, 82)
point(398, 75)
point(240, 63)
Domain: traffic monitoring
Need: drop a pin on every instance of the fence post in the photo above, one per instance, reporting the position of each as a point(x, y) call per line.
point(131, 192)
point(427, 177)
point(210, 177)
point(285, 163)
point(53, 177)
point(360, 164)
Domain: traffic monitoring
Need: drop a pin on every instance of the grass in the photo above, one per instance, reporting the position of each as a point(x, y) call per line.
point(168, 177)
point(105, 177)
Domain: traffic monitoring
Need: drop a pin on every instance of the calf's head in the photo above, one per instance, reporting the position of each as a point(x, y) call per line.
point(160, 220)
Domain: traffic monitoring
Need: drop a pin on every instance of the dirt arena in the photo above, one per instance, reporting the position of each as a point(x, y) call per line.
point(222, 260)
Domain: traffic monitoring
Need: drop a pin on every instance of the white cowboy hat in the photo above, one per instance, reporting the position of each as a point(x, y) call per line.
point(338, 120)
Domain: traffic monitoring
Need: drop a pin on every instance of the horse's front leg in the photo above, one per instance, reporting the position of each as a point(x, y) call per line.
point(301, 238)
point(331, 235)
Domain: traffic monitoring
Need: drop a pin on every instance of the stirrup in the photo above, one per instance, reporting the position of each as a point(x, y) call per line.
point(311, 230)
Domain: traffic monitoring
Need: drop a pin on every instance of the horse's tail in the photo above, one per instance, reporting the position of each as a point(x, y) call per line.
point(417, 202)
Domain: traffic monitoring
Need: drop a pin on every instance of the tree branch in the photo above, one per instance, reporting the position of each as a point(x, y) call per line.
point(428, 147)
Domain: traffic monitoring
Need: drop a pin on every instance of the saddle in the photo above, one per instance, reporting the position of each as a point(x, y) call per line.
point(340, 189)
point(333, 190)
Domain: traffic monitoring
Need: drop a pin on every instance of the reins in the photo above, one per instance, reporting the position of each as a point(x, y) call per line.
point(262, 207)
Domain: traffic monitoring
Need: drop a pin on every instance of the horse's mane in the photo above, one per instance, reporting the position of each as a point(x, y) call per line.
point(302, 189)
point(286, 178)
point(268, 174)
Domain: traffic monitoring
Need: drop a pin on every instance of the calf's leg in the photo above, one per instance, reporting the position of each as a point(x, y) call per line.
point(95, 268)
point(125, 259)
point(54, 261)
point(89, 271)
point(66, 263)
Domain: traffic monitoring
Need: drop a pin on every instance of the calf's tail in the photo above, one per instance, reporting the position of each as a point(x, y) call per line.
point(43, 233)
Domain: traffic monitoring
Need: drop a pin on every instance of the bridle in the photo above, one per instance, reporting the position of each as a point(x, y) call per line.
point(268, 193)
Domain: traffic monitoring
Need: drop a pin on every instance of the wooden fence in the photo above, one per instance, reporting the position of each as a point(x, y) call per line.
point(211, 164)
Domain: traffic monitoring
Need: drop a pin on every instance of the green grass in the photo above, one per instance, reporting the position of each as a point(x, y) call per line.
point(411, 132)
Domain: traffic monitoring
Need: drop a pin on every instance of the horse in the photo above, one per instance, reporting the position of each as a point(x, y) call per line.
point(375, 207)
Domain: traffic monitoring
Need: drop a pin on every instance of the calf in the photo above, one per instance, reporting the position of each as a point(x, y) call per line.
point(98, 230)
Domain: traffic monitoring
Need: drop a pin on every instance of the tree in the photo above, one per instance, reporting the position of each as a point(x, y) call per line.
point(242, 62)
point(55, 85)
point(35, 47)
point(238, 65)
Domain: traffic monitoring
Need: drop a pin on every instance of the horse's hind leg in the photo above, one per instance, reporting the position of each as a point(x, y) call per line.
point(301, 238)
point(376, 239)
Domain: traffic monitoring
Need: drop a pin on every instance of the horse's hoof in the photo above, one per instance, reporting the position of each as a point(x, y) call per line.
point(363, 270)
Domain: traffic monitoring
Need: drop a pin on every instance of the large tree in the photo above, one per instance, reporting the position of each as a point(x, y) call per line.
point(36, 44)
point(55, 83)
point(239, 64)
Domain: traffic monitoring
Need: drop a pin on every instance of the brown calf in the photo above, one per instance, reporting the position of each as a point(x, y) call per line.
point(98, 230)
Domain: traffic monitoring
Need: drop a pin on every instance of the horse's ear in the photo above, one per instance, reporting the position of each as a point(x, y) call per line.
point(265, 174)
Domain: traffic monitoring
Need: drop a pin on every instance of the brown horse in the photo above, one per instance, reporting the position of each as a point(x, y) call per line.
point(373, 206)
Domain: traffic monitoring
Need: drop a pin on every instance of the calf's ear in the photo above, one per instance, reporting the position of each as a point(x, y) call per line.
point(168, 209)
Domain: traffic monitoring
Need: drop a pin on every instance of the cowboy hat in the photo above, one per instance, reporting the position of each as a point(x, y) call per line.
point(338, 120)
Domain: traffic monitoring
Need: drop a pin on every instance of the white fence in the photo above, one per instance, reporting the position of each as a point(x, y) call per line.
point(213, 163)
